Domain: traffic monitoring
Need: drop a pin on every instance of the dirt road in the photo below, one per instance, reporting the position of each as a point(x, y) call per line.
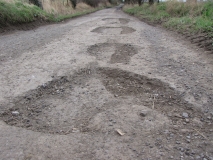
point(104, 86)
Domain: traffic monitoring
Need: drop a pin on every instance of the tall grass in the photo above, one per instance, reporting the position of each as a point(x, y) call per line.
point(20, 11)
point(65, 7)
point(173, 14)
point(62, 7)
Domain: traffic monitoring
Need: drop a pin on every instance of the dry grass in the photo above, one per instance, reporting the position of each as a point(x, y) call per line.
point(177, 8)
point(62, 7)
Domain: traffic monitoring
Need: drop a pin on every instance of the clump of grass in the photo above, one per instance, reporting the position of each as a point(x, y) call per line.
point(19, 12)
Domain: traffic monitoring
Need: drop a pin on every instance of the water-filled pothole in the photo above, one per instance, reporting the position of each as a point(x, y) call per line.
point(80, 103)
point(113, 52)
point(114, 30)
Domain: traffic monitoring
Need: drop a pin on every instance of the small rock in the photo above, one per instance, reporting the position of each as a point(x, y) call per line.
point(181, 149)
point(209, 117)
point(188, 137)
point(188, 140)
point(197, 157)
point(187, 120)
point(185, 115)
point(143, 113)
point(15, 113)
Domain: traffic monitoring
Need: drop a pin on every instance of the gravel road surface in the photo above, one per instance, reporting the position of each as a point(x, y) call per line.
point(104, 86)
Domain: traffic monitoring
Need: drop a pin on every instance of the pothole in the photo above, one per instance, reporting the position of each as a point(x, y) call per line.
point(114, 30)
point(123, 53)
point(114, 20)
point(113, 52)
point(124, 20)
point(98, 99)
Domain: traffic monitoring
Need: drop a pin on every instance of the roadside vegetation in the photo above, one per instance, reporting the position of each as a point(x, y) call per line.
point(190, 17)
point(24, 11)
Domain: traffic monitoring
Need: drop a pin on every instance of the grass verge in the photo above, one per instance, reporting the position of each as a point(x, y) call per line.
point(186, 18)
point(18, 12)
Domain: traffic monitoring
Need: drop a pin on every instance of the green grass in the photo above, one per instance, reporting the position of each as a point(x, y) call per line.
point(176, 15)
point(19, 12)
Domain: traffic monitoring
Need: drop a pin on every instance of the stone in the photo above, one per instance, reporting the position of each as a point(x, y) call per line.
point(15, 113)
point(185, 115)
point(187, 120)
point(143, 113)
point(188, 137)
point(209, 117)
